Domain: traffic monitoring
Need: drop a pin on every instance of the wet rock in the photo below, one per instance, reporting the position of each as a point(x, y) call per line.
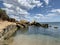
point(55, 27)
point(35, 23)
point(19, 26)
point(44, 25)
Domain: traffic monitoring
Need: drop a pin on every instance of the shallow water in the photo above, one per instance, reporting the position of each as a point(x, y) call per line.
point(37, 36)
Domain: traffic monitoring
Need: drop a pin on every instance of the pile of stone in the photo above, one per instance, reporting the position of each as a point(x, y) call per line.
point(38, 24)
point(22, 24)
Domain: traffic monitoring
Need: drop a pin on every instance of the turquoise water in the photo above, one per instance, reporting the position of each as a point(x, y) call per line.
point(37, 36)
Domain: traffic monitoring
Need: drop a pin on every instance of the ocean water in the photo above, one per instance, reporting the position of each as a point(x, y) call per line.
point(37, 35)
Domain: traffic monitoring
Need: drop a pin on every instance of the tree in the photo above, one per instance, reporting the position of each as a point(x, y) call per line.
point(3, 15)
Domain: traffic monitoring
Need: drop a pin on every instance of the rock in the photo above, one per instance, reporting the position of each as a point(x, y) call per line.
point(55, 27)
point(22, 24)
point(35, 23)
point(19, 26)
point(44, 25)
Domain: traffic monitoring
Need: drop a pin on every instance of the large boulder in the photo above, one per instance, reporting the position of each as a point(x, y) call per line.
point(24, 22)
point(35, 23)
point(44, 25)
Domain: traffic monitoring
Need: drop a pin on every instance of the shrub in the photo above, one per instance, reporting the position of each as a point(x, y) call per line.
point(3, 15)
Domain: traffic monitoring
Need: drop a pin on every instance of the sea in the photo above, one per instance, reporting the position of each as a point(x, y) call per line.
point(34, 35)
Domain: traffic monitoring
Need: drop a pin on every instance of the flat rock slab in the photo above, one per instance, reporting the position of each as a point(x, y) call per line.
point(4, 24)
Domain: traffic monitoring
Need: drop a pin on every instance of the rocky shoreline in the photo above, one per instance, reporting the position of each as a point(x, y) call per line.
point(10, 25)
point(25, 24)
point(8, 31)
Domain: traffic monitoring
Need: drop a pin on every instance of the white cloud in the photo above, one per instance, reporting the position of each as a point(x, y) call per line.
point(20, 7)
point(35, 17)
point(28, 4)
point(8, 10)
point(25, 4)
point(21, 11)
point(46, 1)
point(50, 17)
point(56, 10)
point(39, 15)
point(7, 5)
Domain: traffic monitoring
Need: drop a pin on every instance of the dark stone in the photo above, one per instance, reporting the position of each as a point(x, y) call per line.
point(3, 31)
point(27, 23)
point(18, 27)
point(23, 25)
point(35, 23)
point(5, 38)
point(55, 27)
point(45, 25)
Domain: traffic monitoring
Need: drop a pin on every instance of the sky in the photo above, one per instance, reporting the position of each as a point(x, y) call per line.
point(38, 10)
